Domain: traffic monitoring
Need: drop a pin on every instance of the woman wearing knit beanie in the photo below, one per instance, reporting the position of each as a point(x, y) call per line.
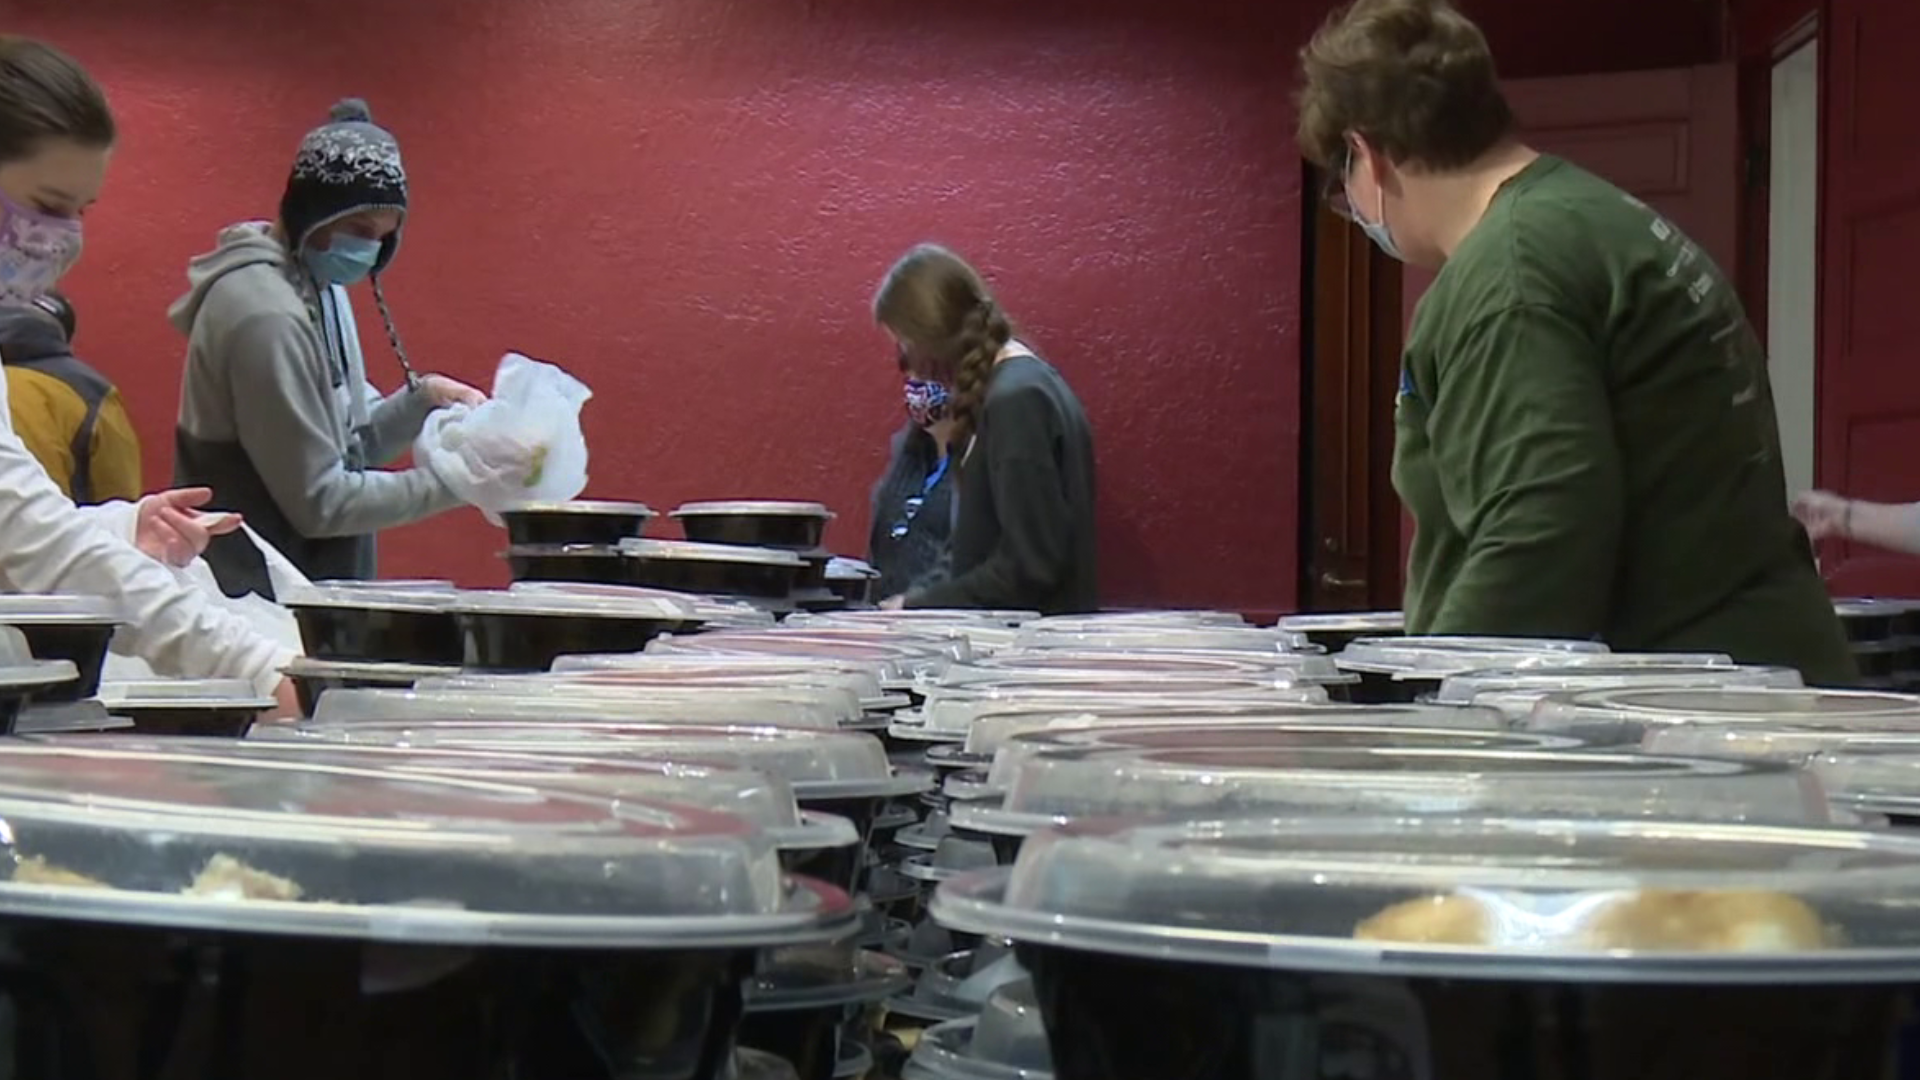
point(276, 413)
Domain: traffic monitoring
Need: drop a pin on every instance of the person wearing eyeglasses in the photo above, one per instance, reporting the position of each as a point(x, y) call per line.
point(911, 542)
point(1585, 435)
point(1020, 446)
point(276, 414)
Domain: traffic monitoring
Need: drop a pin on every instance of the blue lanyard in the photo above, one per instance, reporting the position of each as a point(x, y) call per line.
point(939, 474)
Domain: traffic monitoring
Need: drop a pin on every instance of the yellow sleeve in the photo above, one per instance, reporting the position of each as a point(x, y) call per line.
point(39, 417)
point(116, 453)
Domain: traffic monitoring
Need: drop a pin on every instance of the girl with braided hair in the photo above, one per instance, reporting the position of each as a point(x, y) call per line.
point(276, 413)
point(1019, 442)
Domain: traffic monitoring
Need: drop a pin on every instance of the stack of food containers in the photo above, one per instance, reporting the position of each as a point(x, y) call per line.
point(1271, 822)
point(1885, 635)
point(208, 907)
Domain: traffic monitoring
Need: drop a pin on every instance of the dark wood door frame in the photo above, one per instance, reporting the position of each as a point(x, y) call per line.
point(1351, 332)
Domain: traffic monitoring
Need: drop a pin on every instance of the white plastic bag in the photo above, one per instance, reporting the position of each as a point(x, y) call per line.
point(267, 618)
point(523, 445)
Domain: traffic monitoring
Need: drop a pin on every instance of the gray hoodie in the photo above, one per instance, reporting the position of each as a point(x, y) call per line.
point(273, 425)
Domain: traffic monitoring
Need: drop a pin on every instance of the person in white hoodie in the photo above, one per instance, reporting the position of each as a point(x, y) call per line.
point(56, 138)
point(276, 414)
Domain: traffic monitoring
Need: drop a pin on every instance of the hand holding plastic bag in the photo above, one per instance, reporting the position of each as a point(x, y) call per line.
point(523, 445)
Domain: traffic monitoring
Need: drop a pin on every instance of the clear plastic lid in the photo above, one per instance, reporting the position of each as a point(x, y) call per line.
point(64, 717)
point(1435, 657)
point(1536, 899)
point(1467, 687)
point(1352, 727)
point(818, 764)
point(1218, 638)
point(897, 664)
point(609, 687)
point(713, 611)
point(642, 669)
point(914, 619)
point(755, 508)
point(384, 584)
point(1628, 714)
point(767, 706)
point(992, 731)
point(575, 604)
point(370, 596)
point(761, 799)
point(692, 551)
point(1281, 780)
point(35, 609)
point(184, 694)
point(1346, 622)
point(841, 568)
point(1007, 1041)
point(583, 506)
point(1139, 620)
point(1798, 743)
point(1873, 607)
point(949, 712)
point(1878, 782)
point(1102, 664)
point(259, 846)
point(304, 667)
point(14, 648)
point(36, 675)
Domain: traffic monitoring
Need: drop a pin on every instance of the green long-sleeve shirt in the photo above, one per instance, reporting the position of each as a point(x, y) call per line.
point(1587, 442)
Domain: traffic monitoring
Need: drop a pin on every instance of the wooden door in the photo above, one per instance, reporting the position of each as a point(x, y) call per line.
point(1869, 327)
point(1669, 137)
point(1351, 525)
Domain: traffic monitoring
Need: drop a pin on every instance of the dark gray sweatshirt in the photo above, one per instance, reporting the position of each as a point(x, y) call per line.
point(265, 422)
point(1025, 538)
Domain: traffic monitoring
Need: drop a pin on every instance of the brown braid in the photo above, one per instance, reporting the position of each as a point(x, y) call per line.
point(952, 328)
point(985, 332)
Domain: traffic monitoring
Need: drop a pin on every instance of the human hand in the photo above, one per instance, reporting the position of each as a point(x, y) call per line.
point(442, 392)
point(286, 702)
point(894, 603)
point(167, 528)
point(1824, 514)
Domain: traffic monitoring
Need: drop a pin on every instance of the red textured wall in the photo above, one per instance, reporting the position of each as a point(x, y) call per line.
point(688, 202)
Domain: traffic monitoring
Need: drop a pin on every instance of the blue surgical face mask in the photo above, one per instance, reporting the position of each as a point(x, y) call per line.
point(345, 260)
point(1376, 229)
point(1378, 232)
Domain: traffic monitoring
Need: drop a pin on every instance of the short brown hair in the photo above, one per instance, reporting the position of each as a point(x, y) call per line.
point(46, 94)
point(1413, 77)
point(940, 307)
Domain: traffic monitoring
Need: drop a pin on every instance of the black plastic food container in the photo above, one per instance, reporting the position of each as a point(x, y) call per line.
point(366, 622)
point(794, 526)
point(216, 707)
point(77, 629)
point(402, 953)
point(1868, 620)
point(575, 564)
point(761, 573)
point(583, 521)
point(526, 632)
point(1335, 631)
point(27, 682)
point(1197, 985)
point(313, 678)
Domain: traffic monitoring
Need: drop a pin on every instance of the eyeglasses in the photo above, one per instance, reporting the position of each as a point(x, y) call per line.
point(908, 512)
